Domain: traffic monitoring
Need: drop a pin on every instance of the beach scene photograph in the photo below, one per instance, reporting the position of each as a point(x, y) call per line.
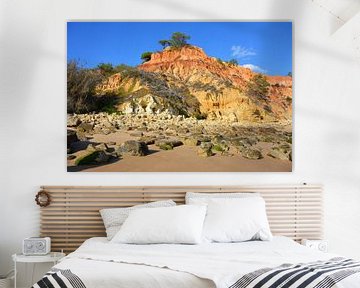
point(179, 96)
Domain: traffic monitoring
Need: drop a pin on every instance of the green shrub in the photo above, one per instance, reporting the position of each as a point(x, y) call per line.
point(109, 109)
point(146, 56)
point(81, 86)
point(258, 88)
point(106, 68)
point(81, 91)
point(88, 158)
point(166, 146)
point(121, 68)
point(233, 62)
point(218, 148)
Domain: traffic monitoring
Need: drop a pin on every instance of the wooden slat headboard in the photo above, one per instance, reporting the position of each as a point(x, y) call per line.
point(73, 215)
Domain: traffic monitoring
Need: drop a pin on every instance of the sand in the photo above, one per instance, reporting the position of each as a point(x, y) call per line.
point(182, 159)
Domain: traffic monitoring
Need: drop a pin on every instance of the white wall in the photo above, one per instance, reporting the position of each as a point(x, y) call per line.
point(32, 118)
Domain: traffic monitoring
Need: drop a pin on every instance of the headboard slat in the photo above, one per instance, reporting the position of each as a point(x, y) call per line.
point(73, 216)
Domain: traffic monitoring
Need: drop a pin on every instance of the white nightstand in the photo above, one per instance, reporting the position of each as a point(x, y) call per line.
point(53, 257)
point(320, 245)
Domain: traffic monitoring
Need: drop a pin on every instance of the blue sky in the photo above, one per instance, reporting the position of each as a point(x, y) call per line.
point(262, 46)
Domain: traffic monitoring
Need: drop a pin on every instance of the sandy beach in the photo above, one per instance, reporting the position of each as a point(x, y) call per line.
point(181, 159)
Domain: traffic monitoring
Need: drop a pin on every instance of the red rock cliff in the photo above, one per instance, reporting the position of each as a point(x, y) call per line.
point(219, 87)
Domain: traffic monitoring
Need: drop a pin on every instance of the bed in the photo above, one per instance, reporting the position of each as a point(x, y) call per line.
point(99, 263)
point(295, 211)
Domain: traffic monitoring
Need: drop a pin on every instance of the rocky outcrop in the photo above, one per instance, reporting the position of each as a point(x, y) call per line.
point(186, 81)
point(89, 157)
point(253, 154)
point(205, 149)
point(282, 152)
point(187, 62)
point(209, 137)
point(73, 121)
point(191, 141)
point(134, 148)
point(85, 127)
point(71, 137)
point(220, 87)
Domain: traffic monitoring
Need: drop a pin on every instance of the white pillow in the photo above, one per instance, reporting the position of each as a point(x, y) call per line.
point(236, 220)
point(173, 225)
point(113, 218)
point(204, 198)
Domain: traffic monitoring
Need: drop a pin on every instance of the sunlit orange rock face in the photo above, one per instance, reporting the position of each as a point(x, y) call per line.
point(192, 62)
point(219, 87)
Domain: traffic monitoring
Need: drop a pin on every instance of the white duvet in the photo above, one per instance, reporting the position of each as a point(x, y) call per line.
point(100, 263)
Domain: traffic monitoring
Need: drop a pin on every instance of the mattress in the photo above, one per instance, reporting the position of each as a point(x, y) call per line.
point(99, 263)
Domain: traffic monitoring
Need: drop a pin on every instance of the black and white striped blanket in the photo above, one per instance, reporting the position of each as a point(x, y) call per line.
point(57, 278)
point(320, 274)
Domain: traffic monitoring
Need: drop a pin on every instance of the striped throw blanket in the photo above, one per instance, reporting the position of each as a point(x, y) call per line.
point(320, 274)
point(57, 278)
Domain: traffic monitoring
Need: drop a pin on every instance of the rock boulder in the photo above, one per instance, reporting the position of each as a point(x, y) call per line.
point(134, 148)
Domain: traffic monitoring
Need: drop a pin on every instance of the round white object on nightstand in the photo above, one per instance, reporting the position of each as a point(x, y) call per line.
point(320, 245)
point(53, 257)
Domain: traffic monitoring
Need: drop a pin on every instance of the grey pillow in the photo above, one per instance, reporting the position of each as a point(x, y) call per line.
point(113, 218)
point(203, 198)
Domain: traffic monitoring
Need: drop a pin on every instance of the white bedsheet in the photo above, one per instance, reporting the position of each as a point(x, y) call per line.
point(102, 264)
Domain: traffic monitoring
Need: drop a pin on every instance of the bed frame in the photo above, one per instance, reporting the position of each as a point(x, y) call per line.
point(73, 215)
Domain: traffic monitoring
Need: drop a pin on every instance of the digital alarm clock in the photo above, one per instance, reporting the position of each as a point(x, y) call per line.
point(36, 246)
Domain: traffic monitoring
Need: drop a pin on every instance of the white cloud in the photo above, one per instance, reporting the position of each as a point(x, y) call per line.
point(254, 68)
point(241, 52)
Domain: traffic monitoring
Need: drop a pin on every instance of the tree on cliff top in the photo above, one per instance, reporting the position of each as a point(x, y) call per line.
point(177, 40)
